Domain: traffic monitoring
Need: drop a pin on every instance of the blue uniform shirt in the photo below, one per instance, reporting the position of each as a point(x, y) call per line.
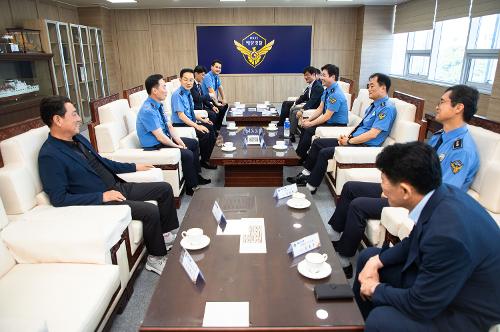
point(150, 118)
point(211, 80)
point(334, 101)
point(182, 101)
point(458, 156)
point(381, 116)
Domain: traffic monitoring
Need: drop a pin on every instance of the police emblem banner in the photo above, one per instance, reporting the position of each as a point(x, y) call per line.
point(255, 49)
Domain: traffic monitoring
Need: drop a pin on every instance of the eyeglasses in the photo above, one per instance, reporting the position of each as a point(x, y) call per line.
point(442, 101)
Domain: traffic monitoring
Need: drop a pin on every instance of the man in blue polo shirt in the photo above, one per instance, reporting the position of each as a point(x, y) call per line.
point(332, 111)
point(183, 116)
point(372, 131)
point(212, 86)
point(457, 152)
point(156, 132)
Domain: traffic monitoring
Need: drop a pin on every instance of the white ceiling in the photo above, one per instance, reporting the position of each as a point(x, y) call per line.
point(218, 4)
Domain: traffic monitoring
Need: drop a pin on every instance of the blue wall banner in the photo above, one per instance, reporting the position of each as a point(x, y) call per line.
point(265, 49)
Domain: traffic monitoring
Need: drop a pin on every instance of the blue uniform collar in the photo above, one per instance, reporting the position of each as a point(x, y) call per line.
point(156, 105)
point(333, 87)
point(183, 90)
point(460, 131)
point(212, 73)
point(379, 101)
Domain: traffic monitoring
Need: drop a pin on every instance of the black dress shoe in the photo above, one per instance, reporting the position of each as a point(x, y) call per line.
point(293, 179)
point(189, 191)
point(202, 180)
point(301, 181)
point(348, 271)
point(207, 165)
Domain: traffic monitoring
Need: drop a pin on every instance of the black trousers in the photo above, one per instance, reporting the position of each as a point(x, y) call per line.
point(322, 150)
point(306, 138)
point(359, 201)
point(285, 111)
point(220, 116)
point(190, 160)
point(156, 220)
point(206, 140)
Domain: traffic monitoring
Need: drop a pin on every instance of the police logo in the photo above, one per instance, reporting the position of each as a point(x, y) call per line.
point(457, 144)
point(332, 100)
point(456, 166)
point(441, 157)
point(381, 116)
point(248, 48)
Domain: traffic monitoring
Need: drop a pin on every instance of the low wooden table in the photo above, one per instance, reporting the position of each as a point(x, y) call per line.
point(280, 299)
point(251, 118)
point(253, 166)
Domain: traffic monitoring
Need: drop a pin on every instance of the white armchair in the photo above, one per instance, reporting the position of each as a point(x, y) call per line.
point(115, 138)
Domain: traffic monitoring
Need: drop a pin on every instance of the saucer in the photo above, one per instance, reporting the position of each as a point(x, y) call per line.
point(298, 203)
point(205, 240)
point(225, 149)
point(232, 128)
point(280, 147)
point(324, 272)
point(271, 128)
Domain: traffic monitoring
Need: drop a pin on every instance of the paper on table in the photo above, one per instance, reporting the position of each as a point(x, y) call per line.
point(253, 237)
point(226, 314)
point(233, 227)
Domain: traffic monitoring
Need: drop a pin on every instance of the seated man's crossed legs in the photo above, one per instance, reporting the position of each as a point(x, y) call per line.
point(285, 111)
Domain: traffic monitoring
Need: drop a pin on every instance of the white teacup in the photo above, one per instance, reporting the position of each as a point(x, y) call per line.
point(236, 103)
point(272, 125)
point(193, 235)
point(228, 145)
point(315, 260)
point(231, 124)
point(298, 195)
point(267, 103)
point(280, 143)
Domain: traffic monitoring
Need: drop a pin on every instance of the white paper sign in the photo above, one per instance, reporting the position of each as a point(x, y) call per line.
point(253, 237)
point(233, 227)
point(219, 216)
point(191, 268)
point(285, 191)
point(253, 140)
point(226, 314)
point(304, 245)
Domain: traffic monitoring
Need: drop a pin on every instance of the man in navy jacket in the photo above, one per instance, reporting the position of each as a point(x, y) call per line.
point(73, 173)
point(444, 276)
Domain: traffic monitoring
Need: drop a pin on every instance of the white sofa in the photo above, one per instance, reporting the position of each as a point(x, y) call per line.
point(84, 255)
point(485, 188)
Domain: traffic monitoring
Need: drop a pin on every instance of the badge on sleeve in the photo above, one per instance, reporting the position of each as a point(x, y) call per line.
point(332, 100)
point(458, 144)
point(381, 116)
point(456, 166)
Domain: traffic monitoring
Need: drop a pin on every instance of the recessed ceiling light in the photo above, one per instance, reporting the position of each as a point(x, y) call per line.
point(122, 1)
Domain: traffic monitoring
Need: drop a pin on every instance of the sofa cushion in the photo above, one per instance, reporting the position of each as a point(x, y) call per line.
point(488, 148)
point(344, 86)
point(108, 136)
point(24, 149)
point(130, 121)
point(373, 231)
point(137, 98)
point(3, 216)
point(69, 297)
point(7, 261)
point(392, 218)
point(405, 111)
point(115, 112)
point(131, 141)
point(402, 132)
point(17, 189)
point(490, 187)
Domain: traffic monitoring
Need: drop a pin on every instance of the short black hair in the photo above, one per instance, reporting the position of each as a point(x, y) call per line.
point(466, 95)
point(51, 106)
point(382, 79)
point(200, 69)
point(318, 72)
point(152, 81)
point(216, 61)
point(332, 70)
point(415, 163)
point(310, 69)
point(186, 70)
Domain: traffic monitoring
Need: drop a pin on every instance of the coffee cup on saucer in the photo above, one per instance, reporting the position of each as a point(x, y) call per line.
point(236, 103)
point(280, 143)
point(193, 235)
point(267, 103)
point(231, 125)
point(228, 145)
point(298, 195)
point(315, 261)
point(272, 125)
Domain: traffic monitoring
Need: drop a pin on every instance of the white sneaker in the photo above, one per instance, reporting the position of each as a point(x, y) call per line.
point(169, 239)
point(156, 264)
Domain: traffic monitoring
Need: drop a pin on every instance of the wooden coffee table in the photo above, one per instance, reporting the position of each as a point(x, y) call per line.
point(251, 118)
point(280, 299)
point(253, 166)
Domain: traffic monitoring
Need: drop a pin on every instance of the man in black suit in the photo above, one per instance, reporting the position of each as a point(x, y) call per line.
point(203, 101)
point(311, 97)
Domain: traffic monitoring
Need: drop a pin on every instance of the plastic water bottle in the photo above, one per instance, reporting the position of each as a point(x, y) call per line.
point(286, 128)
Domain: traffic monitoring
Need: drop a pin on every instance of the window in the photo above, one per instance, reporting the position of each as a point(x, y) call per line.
point(463, 50)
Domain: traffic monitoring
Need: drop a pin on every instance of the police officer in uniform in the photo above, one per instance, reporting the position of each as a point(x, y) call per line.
point(183, 116)
point(371, 131)
point(156, 132)
point(212, 86)
point(332, 111)
point(360, 201)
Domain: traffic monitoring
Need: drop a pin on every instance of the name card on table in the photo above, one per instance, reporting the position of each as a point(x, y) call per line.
point(226, 314)
point(191, 268)
point(253, 237)
point(253, 139)
point(252, 109)
point(285, 191)
point(219, 216)
point(304, 245)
